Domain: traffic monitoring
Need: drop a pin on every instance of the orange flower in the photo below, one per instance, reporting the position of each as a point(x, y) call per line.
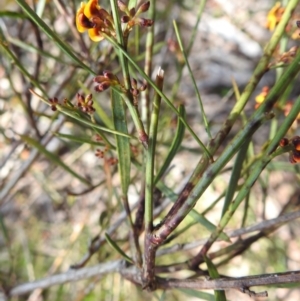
point(94, 19)
point(287, 108)
point(274, 16)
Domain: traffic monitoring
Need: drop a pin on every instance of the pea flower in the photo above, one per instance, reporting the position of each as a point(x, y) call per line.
point(262, 96)
point(274, 16)
point(94, 19)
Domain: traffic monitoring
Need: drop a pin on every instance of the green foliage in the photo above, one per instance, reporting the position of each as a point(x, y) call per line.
point(93, 140)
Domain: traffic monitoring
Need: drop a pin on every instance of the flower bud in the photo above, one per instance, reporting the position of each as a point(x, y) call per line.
point(125, 19)
point(99, 79)
point(295, 157)
point(133, 82)
point(108, 75)
point(143, 87)
point(132, 12)
point(143, 7)
point(145, 22)
point(122, 6)
point(283, 142)
point(89, 97)
point(103, 86)
point(296, 143)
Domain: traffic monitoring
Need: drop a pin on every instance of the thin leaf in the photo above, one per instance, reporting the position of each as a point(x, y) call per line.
point(235, 174)
point(34, 49)
point(12, 14)
point(175, 144)
point(213, 273)
point(150, 155)
point(193, 80)
point(79, 139)
point(117, 248)
point(53, 157)
point(197, 294)
point(201, 219)
point(162, 95)
point(17, 62)
point(123, 145)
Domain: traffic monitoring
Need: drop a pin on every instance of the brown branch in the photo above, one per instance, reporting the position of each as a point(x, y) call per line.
point(229, 283)
point(69, 276)
point(264, 225)
point(97, 242)
point(134, 275)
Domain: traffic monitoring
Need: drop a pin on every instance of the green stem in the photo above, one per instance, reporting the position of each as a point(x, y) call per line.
point(190, 45)
point(185, 203)
point(162, 95)
point(259, 71)
point(235, 175)
point(121, 47)
point(193, 80)
point(151, 156)
point(148, 65)
point(258, 167)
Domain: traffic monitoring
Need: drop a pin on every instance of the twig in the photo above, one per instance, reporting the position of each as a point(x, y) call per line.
point(234, 233)
point(69, 276)
point(133, 274)
point(97, 243)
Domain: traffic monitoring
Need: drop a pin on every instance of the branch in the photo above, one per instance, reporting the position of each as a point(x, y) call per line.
point(134, 275)
point(264, 225)
point(69, 276)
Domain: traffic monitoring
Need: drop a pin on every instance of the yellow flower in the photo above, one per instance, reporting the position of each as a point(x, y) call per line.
point(262, 96)
point(274, 16)
point(94, 19)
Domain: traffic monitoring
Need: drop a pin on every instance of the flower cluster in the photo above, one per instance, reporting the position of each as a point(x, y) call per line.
point(98, 22)
point(93, 18)
point(284, 58)
point(54, 102)
point(101, 154)
point(135, 90)
point(295, 152)
point(85, 103)
point(285, 108)
point(106, 80)
point(131, 17)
